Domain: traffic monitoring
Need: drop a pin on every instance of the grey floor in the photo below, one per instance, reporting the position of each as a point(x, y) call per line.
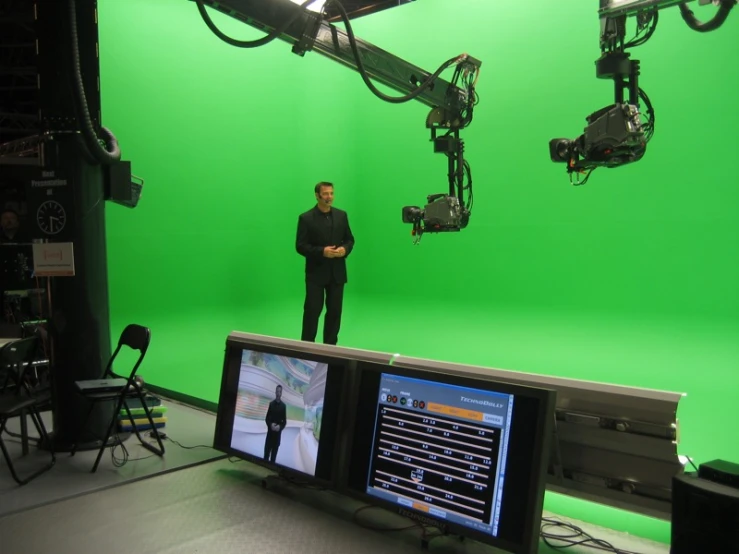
point(195, 501)
point(191, 429)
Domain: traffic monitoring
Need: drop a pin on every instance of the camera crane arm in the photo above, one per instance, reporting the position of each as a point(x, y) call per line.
point(306, 30)
point(614, 13)
point(451, 102)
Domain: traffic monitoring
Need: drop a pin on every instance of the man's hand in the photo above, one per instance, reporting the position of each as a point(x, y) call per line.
point(275, 427)
point(333, 252)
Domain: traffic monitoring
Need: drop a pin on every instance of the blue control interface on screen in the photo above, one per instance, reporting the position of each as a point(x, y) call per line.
point(441, 450)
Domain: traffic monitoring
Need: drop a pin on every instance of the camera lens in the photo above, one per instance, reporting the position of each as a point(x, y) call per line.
point(411, 214)
point(559, 149)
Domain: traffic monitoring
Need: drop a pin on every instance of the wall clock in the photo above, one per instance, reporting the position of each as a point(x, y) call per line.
point(51, 217)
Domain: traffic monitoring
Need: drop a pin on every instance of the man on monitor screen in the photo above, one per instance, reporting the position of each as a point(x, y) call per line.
point(276, 420)
point(325, 239)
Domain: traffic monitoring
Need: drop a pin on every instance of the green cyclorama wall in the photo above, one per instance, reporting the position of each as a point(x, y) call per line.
point(630, 279)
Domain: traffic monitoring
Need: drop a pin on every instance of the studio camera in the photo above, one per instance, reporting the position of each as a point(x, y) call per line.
point(442, 213)
point(613, 137)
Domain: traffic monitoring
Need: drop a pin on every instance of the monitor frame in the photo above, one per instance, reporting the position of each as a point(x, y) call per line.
point(635, 426)
point(529, 540)
point(226, 413)
point(650, 461)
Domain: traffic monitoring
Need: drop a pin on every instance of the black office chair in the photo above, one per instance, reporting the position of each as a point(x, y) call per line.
point(19, 399)
point(135, 337)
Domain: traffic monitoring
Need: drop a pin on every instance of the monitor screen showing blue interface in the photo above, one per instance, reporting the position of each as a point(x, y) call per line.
point(441, 449)
point(279, 410)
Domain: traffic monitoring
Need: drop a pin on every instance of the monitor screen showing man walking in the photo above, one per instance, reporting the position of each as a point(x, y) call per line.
point(279, 408)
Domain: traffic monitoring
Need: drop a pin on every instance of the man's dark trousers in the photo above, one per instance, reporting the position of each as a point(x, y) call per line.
point(333, 293)
point(271, 445)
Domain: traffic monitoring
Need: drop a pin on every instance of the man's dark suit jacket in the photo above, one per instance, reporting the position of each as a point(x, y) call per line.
point(276, 413)
point(315, 232)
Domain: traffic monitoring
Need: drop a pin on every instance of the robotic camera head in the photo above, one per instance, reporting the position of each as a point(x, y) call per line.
point(613, 137)
point(442, 213)
point(445, 212)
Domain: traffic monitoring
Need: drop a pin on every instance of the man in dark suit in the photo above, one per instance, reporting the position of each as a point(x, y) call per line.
point(325, 239)
point(276, 420)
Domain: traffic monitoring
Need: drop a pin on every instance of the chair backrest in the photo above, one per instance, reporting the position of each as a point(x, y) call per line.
point(12, 357)
point(136, 337)
point(19, 351)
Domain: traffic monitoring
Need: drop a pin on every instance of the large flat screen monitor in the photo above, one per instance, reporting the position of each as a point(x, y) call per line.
point(280, 409)
point(464, 453)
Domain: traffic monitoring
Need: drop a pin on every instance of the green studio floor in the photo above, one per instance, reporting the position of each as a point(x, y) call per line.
point(679, 354)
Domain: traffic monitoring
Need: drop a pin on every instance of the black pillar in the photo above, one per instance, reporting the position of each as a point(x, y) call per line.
point(79, 325)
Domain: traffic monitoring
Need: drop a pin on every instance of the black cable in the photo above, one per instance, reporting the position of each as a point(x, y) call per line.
point(578, 182)
point(355, 51)
point(469, 85)
point(247, 43)
point(118, 462)
point(470, 198)
point(126, 457)
point(360, 65)
point(652, 22)
point(692, 464)
point(187, 447)
point(111, 153)
point(649, 125)
point(575, 537)
point(710, 25)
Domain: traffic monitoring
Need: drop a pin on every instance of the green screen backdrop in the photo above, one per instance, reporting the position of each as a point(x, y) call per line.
point(630, 279)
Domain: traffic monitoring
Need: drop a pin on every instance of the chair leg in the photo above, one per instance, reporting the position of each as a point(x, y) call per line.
point(35, 423)
point(9, 461)
point(5, 383)
point(6, 454)
point(151, 448)
point(24, 432)
point(44, 435)
point(105, 444)
point(20, 435)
